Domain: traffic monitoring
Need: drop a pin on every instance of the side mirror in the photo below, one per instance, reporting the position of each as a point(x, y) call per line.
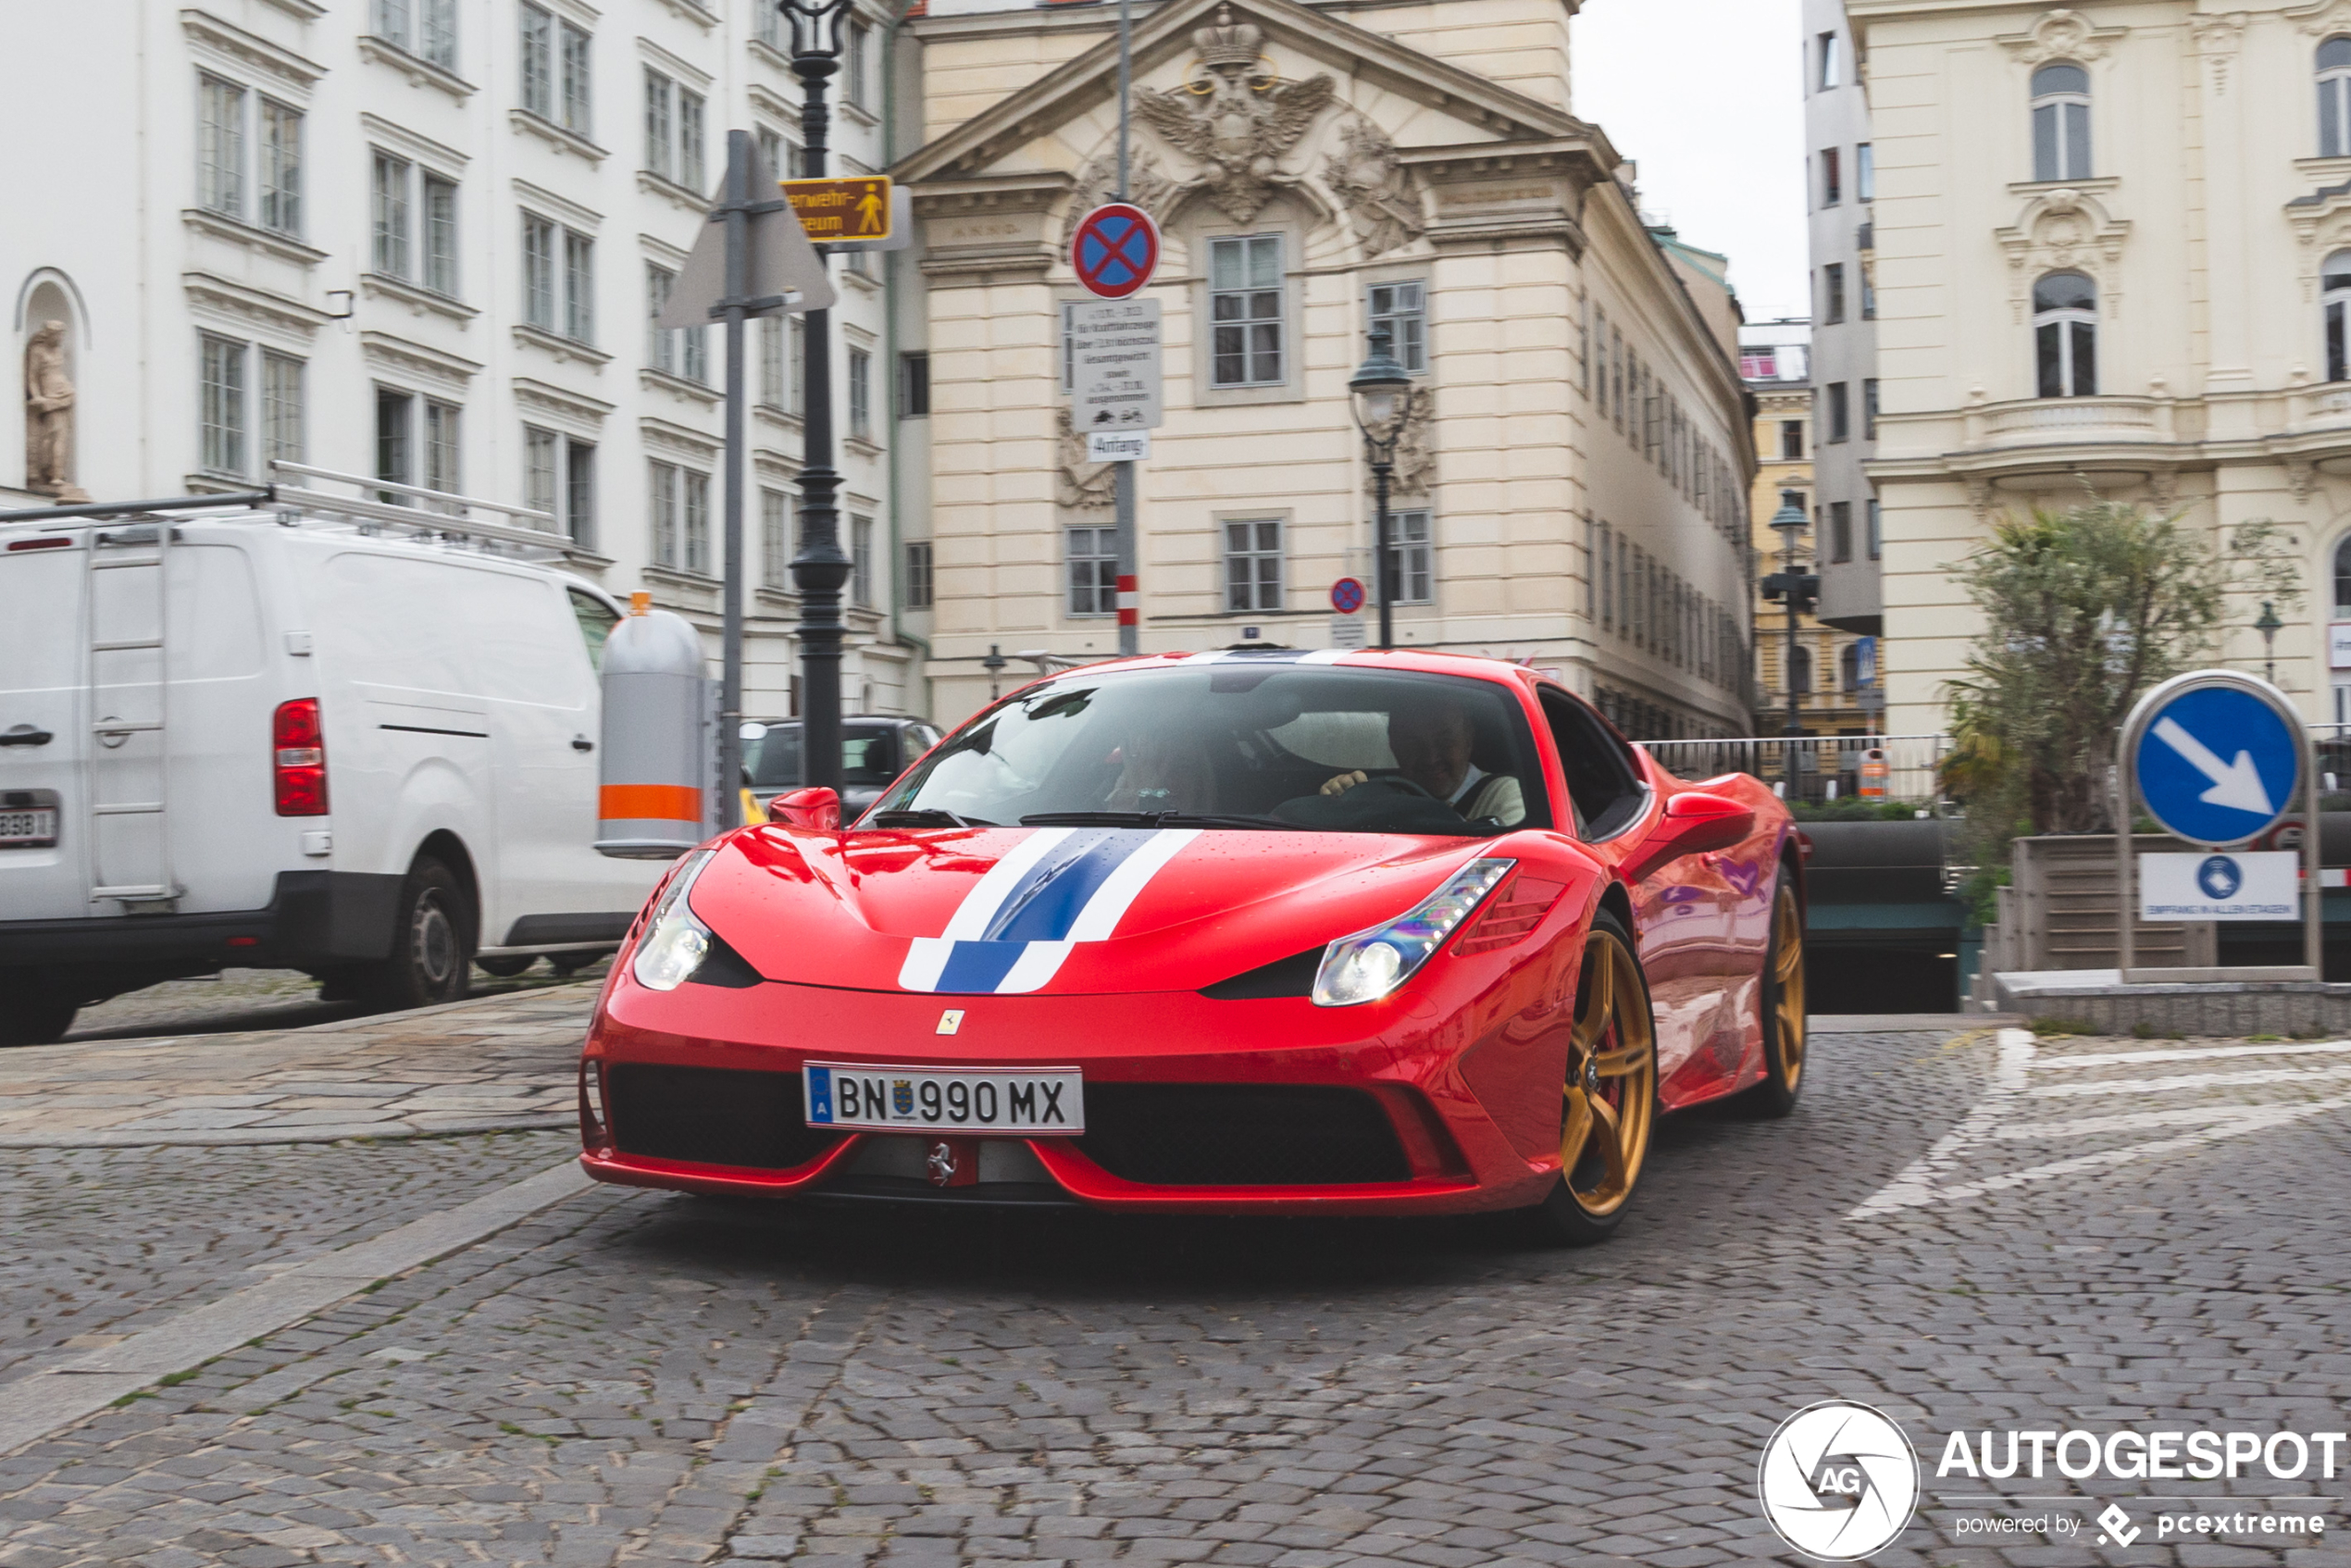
point(816, 810)
point(1694, 822)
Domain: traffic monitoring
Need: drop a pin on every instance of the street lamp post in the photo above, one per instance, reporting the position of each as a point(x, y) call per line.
point(2269, 627)
point(1788, 522)
point(819, 569)
point(1379, 390)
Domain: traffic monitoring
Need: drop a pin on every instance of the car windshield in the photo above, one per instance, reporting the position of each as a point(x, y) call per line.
point(1246, 744)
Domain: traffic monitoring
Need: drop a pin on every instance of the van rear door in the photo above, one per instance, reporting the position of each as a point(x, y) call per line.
point(44, 729)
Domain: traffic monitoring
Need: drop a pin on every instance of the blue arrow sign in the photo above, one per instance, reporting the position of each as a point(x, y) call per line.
point(2218, 765)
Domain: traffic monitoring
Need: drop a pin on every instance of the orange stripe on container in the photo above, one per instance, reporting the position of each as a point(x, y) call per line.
point(649, 802)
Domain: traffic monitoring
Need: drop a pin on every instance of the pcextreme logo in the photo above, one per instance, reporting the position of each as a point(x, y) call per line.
point(1839, 1481)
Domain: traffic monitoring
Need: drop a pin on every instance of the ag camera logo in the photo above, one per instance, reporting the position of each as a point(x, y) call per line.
point(1839, 1481)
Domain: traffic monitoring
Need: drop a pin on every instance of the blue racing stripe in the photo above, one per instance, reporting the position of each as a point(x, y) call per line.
point(1046, 904)
point(979, 966)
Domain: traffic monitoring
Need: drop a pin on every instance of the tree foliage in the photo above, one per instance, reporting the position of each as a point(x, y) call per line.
point(2083, 610)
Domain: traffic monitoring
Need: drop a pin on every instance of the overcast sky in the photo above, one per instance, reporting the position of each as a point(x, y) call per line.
point(1705, 95)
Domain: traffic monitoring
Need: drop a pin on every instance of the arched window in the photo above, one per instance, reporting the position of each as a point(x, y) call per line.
point(2060, 122)
point(2334, 98)
point(2343, 578)
point(1800, 671)
point(1848, 667)
point(2065, 334)
point(2335, 281)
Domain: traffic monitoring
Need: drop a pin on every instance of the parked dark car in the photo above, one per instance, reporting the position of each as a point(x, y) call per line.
point(873, 751)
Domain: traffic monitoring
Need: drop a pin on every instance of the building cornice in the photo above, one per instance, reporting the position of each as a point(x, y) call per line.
point(419, 71)
point(406, 355)
point(250, 50)
point(242, 302)
point(544, 397)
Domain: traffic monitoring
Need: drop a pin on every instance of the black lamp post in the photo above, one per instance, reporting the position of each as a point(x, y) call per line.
point(1380, 388)
point(2268, 625)
point(820, 570)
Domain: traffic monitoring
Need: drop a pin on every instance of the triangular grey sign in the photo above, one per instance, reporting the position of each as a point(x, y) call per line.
point(782, 261)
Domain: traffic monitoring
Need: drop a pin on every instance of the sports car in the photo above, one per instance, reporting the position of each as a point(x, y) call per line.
point(1254, 931)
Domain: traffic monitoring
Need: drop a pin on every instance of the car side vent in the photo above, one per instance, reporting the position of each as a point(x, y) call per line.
point(722, 966)
point(1293, 975)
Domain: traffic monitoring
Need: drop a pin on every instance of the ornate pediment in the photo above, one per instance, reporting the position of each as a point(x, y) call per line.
point(2064, 231)
point(2061, 35)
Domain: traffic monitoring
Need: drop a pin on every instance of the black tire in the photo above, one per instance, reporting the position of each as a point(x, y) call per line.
point(432, 941)
point(34, 1015)
point(1785, 1028)
point(506, 969)
point(1586, 1204)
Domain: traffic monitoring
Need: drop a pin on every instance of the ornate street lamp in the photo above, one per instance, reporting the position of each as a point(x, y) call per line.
point(2268, 626)
point(819, 570)
point(1381, 390)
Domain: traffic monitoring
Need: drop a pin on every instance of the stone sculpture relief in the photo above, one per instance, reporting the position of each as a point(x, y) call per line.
point(1381, 197)
point(49, 415)
point(1415, 469)
point(1080, 485)
point(1239, 120)
point(1147, 186)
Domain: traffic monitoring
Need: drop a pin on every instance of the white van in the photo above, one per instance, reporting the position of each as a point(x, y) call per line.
point(297, 733)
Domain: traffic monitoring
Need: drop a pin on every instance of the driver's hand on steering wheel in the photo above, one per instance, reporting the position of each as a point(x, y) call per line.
point(1344, 782)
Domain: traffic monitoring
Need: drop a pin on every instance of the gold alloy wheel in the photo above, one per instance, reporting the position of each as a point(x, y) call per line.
point(1787, 986)
point(1612, 1078)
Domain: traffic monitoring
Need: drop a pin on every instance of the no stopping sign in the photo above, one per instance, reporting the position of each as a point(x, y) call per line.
point(1115, 250)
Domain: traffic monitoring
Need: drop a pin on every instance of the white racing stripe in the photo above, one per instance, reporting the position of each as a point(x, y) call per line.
point(969, 923)
point(1108, 906)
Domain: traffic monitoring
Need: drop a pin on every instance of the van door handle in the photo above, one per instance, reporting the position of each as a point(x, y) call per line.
point(25, 735)
point(581, 743)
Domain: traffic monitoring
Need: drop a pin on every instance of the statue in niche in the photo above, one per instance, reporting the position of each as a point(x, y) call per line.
point(48, 416)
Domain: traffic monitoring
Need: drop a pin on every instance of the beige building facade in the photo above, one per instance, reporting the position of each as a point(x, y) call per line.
point(1570, 484)
point(2112, 249)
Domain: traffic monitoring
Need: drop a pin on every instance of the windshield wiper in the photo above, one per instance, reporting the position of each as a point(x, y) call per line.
point(927, 816)
point(1146, 819)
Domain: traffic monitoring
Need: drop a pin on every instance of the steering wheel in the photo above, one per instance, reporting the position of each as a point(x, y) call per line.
point(1398, 784)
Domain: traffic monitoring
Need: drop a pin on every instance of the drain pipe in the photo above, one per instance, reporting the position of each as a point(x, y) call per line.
point(891, 274)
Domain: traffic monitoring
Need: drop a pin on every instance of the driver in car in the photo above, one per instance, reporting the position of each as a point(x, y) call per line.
point(1432, 743)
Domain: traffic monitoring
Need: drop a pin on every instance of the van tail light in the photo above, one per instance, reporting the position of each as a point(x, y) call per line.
point(300, 758)
point(1511, 914)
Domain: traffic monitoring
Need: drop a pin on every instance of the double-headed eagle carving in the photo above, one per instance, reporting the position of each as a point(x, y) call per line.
point(1239, 120)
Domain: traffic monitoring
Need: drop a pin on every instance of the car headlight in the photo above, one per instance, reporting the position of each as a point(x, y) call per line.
point(675, 942)
point(1369, 964)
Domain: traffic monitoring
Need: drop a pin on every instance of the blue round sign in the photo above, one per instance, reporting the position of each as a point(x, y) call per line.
point(1347, 595)
point(2217, 764)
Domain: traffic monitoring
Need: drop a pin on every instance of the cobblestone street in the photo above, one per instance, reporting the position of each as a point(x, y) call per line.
point(1963, 1231)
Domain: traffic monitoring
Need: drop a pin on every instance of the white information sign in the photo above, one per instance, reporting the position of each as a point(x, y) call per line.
point(1114, 364)
point(2339, 645)
point(1117, 446)
point(2221, 886)
point(1349, 632)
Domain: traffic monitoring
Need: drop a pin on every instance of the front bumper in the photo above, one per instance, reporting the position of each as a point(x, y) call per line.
point(1450, 1153)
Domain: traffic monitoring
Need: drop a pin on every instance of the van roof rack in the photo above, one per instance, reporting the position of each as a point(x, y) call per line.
point(239, 499)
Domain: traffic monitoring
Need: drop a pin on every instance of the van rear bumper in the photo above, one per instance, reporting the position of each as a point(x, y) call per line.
point(314, 920)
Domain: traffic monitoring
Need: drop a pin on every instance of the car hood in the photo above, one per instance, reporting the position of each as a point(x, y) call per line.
point(1057, 910)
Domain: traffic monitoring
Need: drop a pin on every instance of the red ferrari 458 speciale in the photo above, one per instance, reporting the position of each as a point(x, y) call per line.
point(1259, 931)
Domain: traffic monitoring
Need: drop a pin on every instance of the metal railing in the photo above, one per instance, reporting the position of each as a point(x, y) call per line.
point(1827, 768)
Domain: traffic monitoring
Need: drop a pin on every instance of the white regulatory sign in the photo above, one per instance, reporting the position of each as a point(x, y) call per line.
point(1117, 446)
point(2221, 886)
point(1349, 632)
point(1114, 364)
point(2339, 645)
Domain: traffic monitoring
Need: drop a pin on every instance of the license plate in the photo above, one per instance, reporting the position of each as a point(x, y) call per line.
point(28, 830)
point(1028, 1101)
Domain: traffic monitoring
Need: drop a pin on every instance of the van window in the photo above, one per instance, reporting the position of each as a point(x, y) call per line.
point(596, 620)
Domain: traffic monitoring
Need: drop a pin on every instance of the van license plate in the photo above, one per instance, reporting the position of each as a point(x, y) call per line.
point(1021, 1101)
point(28, 830)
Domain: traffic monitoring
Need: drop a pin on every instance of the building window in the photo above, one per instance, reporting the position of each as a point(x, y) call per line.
point(918, 583)
point(681, 517)
point(280, 167)
point(1253, 564)
point(554, 69)
point(538, 271)
point(1759, 363)
point(559, 478)
point(284, 437)
point(2343, 577)
point(1840, 530)
point(1832, 177)
point(1402, 309)
point(541, 462)
point(1832, 66)
point(1869, 409)
point(861, 560)
point(775, 538)
point(772, 391)
point(673, 140)
point(2336, 297)
point(860, 392)
point(221, 420)
point(580, 287)
point(662, 484)
point(2334, 98)
point(680, 351)
point(2061, 123)
point(1244, 304)
point(442, 472)
point(392, 226)
point(2065, 335)
point(1839, 413)
point(1876, 531)
point(1093, 570)
point(424, 28)
point(857, 68)
point(694, 513)
point(1415, 560)
point(1869, 294)
point(913, 386)
point(1791, 440)
point(395, 453)
point(1832, 293)
point(1864, 173)
point(220, 147)
point(441, 236)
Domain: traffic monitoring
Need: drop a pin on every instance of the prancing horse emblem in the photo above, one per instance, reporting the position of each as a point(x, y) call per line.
point(942, 1163)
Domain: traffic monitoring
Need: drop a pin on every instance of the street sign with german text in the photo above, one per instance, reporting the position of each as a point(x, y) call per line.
point(855, 206)
point(1114, 364)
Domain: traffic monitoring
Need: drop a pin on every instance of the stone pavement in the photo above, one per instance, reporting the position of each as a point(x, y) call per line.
point(493, 1063)
point(638, 1377)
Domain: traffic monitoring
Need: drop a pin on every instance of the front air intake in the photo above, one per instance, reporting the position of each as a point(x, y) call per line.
point(710, 1117)
point(1240, 1135)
